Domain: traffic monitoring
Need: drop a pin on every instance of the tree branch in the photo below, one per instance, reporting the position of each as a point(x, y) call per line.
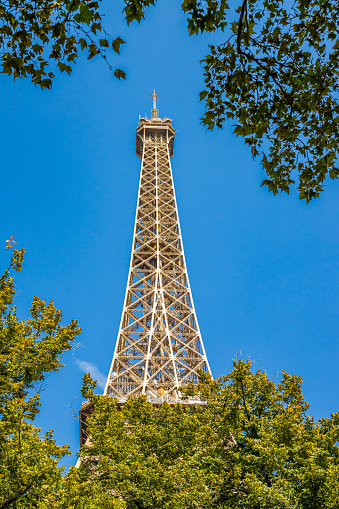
point(244, 400)
point(19, 495)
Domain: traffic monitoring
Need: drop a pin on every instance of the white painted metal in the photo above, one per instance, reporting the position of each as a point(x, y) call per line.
point(159, 346)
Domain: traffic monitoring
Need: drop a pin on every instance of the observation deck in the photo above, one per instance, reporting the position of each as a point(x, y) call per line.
point(154, 131)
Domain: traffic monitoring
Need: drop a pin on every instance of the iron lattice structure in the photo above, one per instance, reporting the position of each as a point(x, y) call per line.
point(159, 346)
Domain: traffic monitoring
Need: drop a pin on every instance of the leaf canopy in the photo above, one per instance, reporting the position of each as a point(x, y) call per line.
point(29, 350)
point(248, 444)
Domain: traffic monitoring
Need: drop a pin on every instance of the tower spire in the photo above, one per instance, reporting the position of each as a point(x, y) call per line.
point(159, 346)
point(154, 109)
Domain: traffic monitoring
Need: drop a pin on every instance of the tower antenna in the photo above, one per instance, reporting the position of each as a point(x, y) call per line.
point(154, 109)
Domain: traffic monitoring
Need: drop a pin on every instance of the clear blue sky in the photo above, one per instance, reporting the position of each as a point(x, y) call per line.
point(263, 269)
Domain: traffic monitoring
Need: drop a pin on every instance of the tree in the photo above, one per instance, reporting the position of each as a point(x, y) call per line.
point(276, 78)
point(37, 34)
point(29, 349)
point(249, 444)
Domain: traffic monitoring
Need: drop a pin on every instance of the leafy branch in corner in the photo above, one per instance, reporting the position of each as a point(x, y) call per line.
point(276, 77)
point(38, 37)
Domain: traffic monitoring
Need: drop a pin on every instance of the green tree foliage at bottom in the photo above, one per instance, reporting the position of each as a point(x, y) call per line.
point(29, 349)
point(250, 444)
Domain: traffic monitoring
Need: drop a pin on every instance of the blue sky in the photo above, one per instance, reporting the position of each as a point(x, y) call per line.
point(263, 268)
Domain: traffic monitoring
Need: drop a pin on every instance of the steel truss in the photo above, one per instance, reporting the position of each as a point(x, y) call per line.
point(159, 346)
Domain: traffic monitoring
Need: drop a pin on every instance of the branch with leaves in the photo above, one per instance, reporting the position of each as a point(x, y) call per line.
point(38, 37)
point(277, 78)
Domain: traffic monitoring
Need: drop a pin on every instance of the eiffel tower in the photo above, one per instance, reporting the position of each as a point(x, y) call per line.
point(159, 346)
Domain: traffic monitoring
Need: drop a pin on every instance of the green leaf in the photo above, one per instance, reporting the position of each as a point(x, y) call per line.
point(83, 43)
point(64, 67)
point(116, 44)
point(104, 42)
point(118, 73)
point(85, 15)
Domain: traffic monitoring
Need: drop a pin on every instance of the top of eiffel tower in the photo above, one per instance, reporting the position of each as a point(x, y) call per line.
point(154, 128)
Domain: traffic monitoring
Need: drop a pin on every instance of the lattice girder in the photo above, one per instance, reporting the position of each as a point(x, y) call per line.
point(159, 346)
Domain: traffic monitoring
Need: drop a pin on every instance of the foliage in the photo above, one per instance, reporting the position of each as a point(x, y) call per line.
point(134, 9)
point(147, 456)
point(250, 444)
point(276, 77)
point(276, 456)
point(37, 34)
point(80, 493)
point(29, 349)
